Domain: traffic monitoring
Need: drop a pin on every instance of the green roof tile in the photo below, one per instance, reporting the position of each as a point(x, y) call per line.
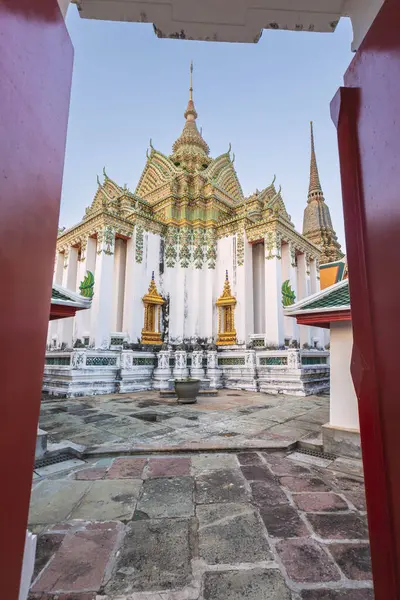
point(333, 299)
point(56, 295)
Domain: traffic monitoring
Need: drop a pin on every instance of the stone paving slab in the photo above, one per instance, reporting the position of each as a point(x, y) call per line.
point(107, 500)
point(163, 497)
point(231, 533)
point(81, 561)
point(220, 486)
point(156, 555)
point(53, 501)
point(256, 584)
point(306, 561)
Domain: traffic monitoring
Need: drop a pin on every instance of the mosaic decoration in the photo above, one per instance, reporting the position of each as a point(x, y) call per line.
point(184, 247)
point(288, 295)
point(145, 362)
point(106, 240)
point(313, 360)
point(64, 361)
point(139, 244)
point(240, 249)
point(198, 248)
point(272, 243)
point(293, 259)
point(86, 287)
point(101, 361)
point(116, 341)
point(231, 361)
point(171, 245)
point(273, 361)
point(211, 251)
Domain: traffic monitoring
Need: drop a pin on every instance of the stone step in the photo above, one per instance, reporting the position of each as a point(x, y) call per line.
point(201, 394)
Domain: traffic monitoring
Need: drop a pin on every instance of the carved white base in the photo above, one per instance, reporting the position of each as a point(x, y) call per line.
point(161, 378)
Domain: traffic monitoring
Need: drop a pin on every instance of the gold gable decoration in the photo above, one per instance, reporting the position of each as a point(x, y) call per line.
point(151, 334)
point(226, 316)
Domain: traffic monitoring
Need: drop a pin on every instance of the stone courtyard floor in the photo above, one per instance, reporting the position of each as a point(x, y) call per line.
point(187, 513)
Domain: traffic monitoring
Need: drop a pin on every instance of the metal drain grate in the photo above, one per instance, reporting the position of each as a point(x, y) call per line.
point(316, 453)
point(53, 460)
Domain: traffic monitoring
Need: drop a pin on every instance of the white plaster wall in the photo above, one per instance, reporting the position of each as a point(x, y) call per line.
point(83, 318)
point(66, 326)
point(118, 285)
point(244, 292)
point(289, 272)
point(343, 400)
point(273, 301)
point(258, 288)
point(137, 281)
point(303, 290)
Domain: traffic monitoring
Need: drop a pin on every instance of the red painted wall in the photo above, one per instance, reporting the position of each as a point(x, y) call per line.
point(35, 78)
point(367, 115)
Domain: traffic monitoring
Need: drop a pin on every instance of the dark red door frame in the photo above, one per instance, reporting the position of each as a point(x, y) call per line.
point(35, 79)
point(366, 114)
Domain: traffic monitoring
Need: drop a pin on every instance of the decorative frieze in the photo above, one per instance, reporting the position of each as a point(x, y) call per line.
point(273, 243)
point(106, 240)
point(185, 247)
point(240, 249)
point(198, 248)
point(211, 252)
point(139, 243)
point(171, 246)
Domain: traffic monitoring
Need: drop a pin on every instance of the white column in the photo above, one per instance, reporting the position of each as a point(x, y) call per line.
point(258, 288)
point(208, 328)
point(118, 285)
point(87, 263)
point(142, 257)
point(289, 273)
point(59, 268)
point(343, 401)
point(317, 334)
point(54, 326)
point(303, 290)
point(66, 326)
point(273, 290)
point(103, 288)
point(244, 318)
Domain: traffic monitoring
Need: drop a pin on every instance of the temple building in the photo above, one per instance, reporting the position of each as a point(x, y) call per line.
point(188, 262)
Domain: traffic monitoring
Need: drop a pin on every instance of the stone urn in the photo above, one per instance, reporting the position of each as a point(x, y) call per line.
point(187, 390)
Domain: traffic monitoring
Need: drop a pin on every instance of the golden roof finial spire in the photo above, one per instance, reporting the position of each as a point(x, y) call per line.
point(315, 185)
point(191, 81)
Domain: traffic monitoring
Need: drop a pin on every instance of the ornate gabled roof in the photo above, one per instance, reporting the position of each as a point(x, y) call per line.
point(190, 151)
point(222, 173)
point(107, 192)
point(159, 170)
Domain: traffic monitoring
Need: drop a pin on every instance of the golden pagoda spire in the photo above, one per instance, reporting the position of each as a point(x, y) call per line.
point(190, 151)
point(315, 185)
point(317, 223)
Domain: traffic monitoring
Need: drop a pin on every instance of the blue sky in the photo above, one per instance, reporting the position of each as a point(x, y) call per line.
point(129, 86)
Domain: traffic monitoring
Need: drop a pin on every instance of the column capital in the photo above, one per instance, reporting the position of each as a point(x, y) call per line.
point(273, 243)
point(106, 240)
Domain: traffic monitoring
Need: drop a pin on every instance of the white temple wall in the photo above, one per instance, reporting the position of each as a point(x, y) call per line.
point(244, 318)
point(87, 263)
point(208, 296)
point(289, 272)
point(175, 285)
point(118, 285)
point(59, 268)
point(102, 299)
point(225, 263)
point(139, 264)
point(317, 333)
point(343, 400)
point(303, 290)
point(258, 288)
point(274, 328)
point(66, 326)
